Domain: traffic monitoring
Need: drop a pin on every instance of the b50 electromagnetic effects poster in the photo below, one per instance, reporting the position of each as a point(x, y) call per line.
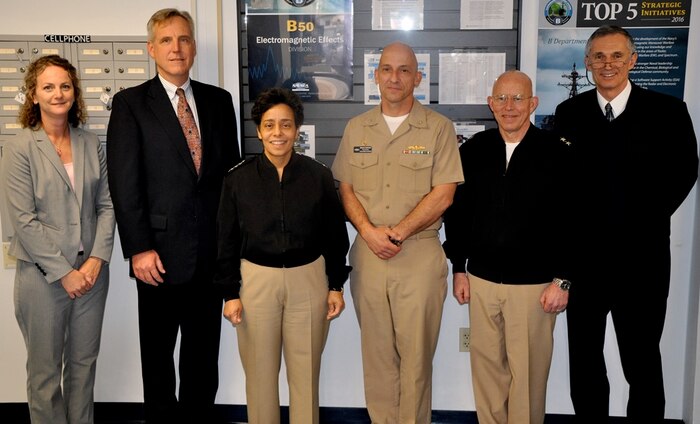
point(303, 45)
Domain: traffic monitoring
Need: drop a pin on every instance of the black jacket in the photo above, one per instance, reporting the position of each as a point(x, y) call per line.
point(512, 225)
point(633, 173)
point(280, 224)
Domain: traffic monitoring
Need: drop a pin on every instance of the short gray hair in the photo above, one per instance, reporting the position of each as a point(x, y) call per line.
point(611, 30)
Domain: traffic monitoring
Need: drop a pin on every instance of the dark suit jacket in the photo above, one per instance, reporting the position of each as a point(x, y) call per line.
point(159, 200)
point(633, 173)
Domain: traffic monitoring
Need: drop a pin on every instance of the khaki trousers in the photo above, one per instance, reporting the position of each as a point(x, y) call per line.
point(284, 310)
point(511, 351)
point(399, 307)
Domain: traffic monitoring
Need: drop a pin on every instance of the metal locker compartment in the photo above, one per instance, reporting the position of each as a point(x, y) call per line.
point(97, 125)
point(13, 69)
point(93, 89)
point(128, 70)
point(14, 50)
point(39, 49)
point(95, 51)
point(130, 51)
point(95, 108)
point(9, 125)
point(96, 70)
point(10, 87)
point(9, 106)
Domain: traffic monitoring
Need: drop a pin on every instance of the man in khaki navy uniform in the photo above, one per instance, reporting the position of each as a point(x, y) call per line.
point(398, 168)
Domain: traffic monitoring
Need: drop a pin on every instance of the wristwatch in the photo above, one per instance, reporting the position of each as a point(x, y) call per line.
point(335, 289)
point(562, 284)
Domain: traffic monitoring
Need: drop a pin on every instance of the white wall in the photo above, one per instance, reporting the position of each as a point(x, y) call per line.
point(118, 377)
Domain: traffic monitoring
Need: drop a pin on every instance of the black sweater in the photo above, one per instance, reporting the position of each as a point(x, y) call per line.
point(512, 225)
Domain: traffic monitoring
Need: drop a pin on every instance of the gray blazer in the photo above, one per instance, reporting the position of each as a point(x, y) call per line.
point(50, 218)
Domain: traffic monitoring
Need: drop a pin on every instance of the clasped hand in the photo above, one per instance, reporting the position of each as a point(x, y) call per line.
point(80, 281)
point(383, 241)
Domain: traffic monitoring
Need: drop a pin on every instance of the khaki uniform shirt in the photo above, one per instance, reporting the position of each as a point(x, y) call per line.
point(391, 174)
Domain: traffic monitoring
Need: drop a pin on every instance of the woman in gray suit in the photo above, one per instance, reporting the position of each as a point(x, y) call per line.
point(54, 183)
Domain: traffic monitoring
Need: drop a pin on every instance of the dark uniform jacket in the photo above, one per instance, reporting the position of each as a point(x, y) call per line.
point(510, 223)
point(279, 224)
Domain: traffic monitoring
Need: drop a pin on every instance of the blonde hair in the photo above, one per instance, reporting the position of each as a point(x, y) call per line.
point(164, 15)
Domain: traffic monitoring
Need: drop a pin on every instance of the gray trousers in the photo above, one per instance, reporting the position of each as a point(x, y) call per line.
point(63, 339)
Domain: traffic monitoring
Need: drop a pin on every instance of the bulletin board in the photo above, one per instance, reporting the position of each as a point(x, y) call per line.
point(440, 34)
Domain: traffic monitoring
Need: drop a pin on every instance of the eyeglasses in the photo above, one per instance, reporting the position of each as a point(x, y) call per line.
point(599, 61)
point(502, 99)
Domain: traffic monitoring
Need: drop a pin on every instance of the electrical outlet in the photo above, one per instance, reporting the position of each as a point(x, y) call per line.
point(7, 260)
point(465, 335)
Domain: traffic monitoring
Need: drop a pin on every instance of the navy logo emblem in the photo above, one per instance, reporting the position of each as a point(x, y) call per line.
point(558, 12)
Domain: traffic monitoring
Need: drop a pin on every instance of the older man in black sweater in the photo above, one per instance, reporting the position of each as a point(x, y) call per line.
point(509, 221)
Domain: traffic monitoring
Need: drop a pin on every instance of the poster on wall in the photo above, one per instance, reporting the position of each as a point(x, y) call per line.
point(659, 29)
point(466, 130)
point(479, 14)
point(467, 78)
point(404, 15)
point(303, 45)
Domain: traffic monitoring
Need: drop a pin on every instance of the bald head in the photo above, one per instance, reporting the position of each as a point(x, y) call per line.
point(401, 50)
point(513, 77)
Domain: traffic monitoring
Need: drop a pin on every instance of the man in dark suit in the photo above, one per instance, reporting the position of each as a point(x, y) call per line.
point(169, 144)
point(637, 160)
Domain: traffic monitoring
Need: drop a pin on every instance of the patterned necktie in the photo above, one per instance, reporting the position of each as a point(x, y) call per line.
point(189, 127)
point(609, 113)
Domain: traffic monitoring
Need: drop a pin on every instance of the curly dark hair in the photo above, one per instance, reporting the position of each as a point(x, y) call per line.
point(30, 114)
point(273, 97)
